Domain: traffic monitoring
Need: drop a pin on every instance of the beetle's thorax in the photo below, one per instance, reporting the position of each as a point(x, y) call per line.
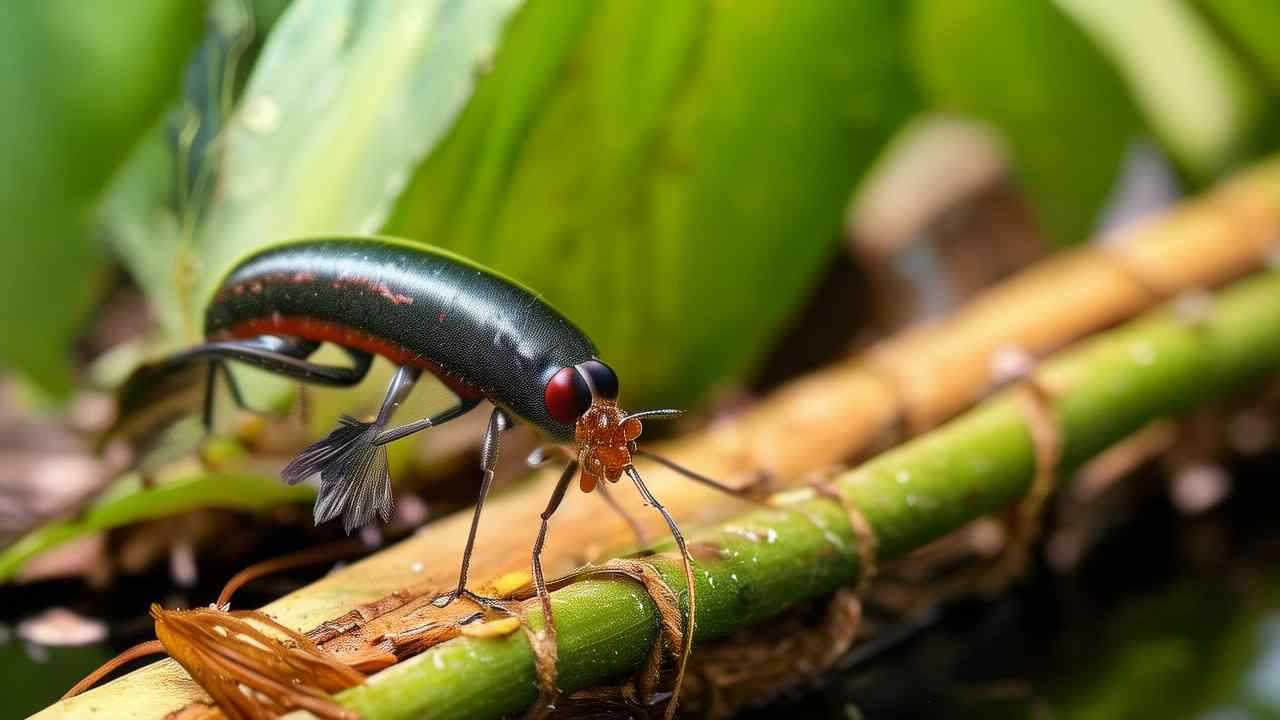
point(604, 436)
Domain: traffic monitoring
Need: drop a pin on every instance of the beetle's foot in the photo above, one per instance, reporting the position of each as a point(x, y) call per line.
point(489, 603)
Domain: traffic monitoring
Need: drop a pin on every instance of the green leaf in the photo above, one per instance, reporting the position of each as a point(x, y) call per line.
point(344, 101)
point(146, 233)
point(1253, 26)
point(670, 174)
point(1028, 70)
point(79, 83)
point(130, 502)
point(1195, 94)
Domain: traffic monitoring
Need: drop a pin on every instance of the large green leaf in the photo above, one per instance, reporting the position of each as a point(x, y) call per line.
point(1028, 70)
point(1195, 93)
point(150, 212)
point(670, 174)
point(345, 100)
point(1254, 26)
point(79, 83)
point(342, 103)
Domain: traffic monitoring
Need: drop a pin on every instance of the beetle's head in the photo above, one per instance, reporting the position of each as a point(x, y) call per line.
point(586, 397)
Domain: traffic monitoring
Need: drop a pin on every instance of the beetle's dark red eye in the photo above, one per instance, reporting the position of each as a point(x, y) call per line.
point(567, 396)
point(603, 379)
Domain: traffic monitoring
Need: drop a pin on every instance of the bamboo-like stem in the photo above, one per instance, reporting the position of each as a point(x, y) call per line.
point(767, 560)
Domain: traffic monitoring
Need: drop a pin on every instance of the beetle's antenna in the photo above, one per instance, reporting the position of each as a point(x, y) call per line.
point(741, 493)
point(664, 414)
point(687, 561)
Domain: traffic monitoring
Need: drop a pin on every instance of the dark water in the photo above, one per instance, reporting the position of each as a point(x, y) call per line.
point(1167, 617)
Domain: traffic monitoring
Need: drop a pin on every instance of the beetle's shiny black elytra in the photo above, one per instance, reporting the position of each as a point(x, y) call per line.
point(482, 334)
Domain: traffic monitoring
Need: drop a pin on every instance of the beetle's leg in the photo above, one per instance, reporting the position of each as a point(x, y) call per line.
point(219, 368)
point(285, 356)
point(489, 447)
point(210, 385)
point(399, 390)
point(687, 562)
point(282, 355)
point(553, 504)
point(547, 690)
point(147, 401)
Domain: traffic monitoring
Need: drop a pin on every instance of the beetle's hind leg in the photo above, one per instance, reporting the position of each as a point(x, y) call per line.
point(489, 447)
point(285, 356)
point(219, 369)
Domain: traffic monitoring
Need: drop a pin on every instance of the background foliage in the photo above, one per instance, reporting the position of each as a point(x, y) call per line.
point(672, 169)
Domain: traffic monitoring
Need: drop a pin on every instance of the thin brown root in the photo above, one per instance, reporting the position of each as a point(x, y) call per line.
point(313, 556)
point(820, 484)
point(151, 647)
point(864, 536)
point(669, 619)
point(546, 662)
point(1107, 468)
point(1025, 519)
point(686, 561)
point(249, 673)
point(1022, 522)
point(638, 694)
point(759, 662)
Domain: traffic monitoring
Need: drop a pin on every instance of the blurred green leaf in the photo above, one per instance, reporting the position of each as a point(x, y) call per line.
point(151, 208)
point(79, 83)
point(1253, 26)
point(130, 503)
point(1192, 651)
point(670, 174)
point(343, 103)
point(1028, 70)
point(145, 232)
point(1195, 93)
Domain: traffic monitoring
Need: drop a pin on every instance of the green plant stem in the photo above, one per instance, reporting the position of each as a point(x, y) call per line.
point(756, 565)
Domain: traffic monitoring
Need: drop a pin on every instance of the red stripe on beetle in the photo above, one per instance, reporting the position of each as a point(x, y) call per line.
point(310, 328)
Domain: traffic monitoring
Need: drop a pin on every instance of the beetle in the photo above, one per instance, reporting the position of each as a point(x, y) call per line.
point(427, 310)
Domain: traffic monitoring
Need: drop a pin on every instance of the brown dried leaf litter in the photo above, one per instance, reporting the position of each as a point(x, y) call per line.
point(252, 666)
